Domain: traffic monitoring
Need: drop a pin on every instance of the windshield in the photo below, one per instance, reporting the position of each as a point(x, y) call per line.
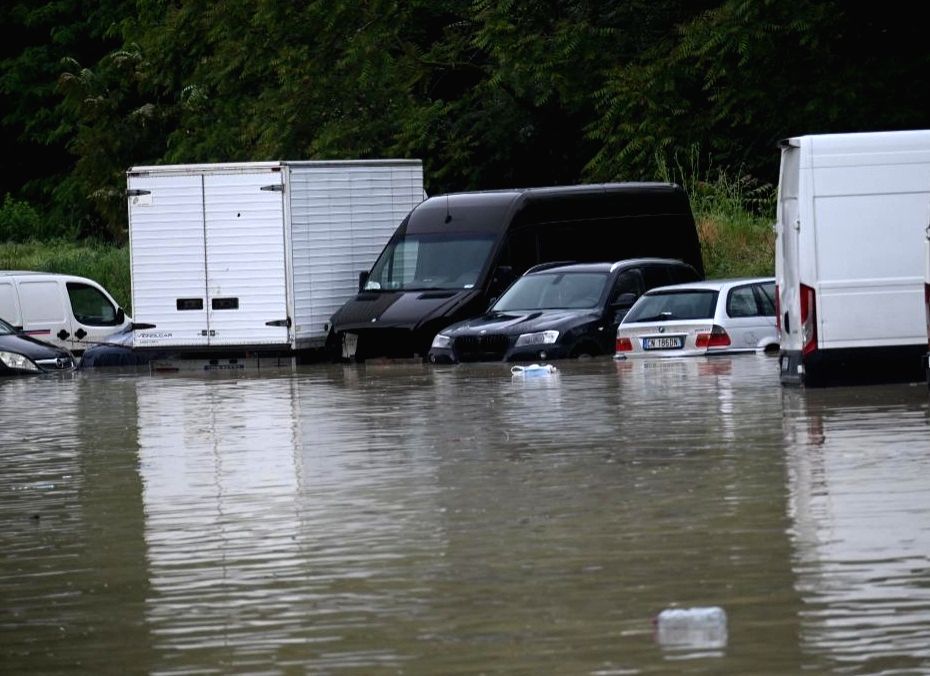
point(572, 290)
point(431, 261)
point(673, 305)
point(5, 329)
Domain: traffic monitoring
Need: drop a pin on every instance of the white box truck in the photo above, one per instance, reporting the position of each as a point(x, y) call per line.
point(257, 256)
point(852, 210)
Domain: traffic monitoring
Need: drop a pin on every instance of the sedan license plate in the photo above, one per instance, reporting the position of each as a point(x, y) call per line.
point(664, 343)
point(349, 345)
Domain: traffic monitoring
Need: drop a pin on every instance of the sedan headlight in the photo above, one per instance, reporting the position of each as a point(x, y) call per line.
point(442, 341)
point(538, 338)
point(14, 360)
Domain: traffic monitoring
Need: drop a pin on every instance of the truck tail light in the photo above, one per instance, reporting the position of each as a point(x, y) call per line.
point(808, 320)
point(716, 337)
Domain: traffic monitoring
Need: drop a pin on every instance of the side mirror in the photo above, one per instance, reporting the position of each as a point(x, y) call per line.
point(502, 278)
point(624, 301)
point(120, 315)
point(362, 280)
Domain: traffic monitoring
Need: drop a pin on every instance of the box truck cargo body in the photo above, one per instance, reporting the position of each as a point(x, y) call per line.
point(257, 256)
point(852, 210)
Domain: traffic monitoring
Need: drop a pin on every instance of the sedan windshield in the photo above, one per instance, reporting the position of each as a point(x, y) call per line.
point(6, 329)
point(433, 261)
point(573, 290)
point(655, 307)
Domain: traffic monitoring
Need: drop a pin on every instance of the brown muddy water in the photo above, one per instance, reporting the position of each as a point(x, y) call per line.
point(422, 520)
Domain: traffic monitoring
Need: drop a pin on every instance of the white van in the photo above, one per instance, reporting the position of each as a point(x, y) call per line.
point(852, 210)
point(64, 310)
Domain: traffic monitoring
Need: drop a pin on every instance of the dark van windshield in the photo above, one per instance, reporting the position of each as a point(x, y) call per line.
point(451, 260)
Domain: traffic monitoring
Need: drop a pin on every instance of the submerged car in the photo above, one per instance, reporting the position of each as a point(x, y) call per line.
point(557, 310)
point(720, 316)
point(22, 354)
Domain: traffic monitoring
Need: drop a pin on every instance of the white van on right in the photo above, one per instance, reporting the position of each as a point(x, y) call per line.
point(849, 268)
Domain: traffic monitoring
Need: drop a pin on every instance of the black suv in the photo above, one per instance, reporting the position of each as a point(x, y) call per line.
point(558, 310)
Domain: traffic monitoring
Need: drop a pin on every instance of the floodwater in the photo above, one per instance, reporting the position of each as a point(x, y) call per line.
point(457, 520)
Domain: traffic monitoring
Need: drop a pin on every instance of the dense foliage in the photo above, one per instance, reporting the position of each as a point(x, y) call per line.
point(488, 94)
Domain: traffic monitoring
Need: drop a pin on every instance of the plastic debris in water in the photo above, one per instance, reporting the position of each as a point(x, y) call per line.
point(700, 627)
point(533, 370)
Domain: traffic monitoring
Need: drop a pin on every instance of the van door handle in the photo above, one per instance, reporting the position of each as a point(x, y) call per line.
point(62, 334)
point(80, 333)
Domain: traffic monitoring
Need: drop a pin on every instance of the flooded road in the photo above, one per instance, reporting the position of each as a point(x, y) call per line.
point(423, 520)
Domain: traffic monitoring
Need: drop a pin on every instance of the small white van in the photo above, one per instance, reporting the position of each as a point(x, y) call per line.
point(849, 268)
point(65, 310)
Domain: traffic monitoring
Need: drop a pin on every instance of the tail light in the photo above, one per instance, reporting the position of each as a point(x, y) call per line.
point(808, 320)
point(927, 310)
point(717, 337)
point(777, 310)
point(624, 345)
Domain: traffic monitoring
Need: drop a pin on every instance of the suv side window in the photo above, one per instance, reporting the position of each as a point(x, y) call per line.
point(682, 274)
point(628, 281)
point(90, 306)
point(656, 275)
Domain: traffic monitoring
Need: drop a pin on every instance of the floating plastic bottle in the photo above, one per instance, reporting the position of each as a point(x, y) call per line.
point(700, 627)
point(533, 370)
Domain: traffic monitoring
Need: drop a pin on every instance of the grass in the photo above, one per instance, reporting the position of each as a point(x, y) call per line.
point(734, 218)
point(106, 264)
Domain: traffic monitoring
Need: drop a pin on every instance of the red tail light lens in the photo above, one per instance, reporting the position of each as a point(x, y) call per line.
point(777, 310)
point(624, 345)
point(927, 310)
point(808, 320)
point(717, 337)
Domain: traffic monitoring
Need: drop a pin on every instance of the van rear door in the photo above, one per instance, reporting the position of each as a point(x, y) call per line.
point(787, 257)
point(44, 315)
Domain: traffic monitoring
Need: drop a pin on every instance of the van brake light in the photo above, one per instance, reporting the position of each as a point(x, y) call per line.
point(777, 309)
point(808, 319)
point(927, 310)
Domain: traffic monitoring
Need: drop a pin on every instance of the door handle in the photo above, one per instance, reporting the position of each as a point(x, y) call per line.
point(80, 333)
point(62, 334)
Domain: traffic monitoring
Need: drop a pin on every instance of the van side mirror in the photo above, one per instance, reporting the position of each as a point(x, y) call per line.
point(362, 280)
point(120, 315)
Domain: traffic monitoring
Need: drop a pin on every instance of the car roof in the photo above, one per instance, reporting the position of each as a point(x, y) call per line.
point(712, 284)
point(607, 266)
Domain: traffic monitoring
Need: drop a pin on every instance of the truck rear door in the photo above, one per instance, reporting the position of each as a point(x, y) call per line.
point(168, 246)
point(787, 261)
point(245, 258)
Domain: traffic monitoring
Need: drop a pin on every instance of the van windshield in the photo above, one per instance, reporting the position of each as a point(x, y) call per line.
point(576, 290)
point(431, 261)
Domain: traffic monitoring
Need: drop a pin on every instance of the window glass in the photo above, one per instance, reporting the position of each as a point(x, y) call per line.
point(655, 275)
point(659, 306)
point(576, 290)
point(628, 281)
point(742, 303)
point(5, 329)
point(431, 261)
point(765, 295)
point(682, 274)
point(90, 306)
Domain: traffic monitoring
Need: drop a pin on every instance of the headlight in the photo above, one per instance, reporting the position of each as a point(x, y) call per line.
point(442, 341)
point(538, 338)
point(14, 360)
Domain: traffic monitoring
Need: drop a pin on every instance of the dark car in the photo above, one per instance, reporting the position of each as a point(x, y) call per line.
point(22, 354)
point(558, 310)
point(116, 350)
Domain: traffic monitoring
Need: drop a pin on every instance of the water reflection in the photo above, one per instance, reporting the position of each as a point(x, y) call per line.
point(859, 472)
point(415, 519)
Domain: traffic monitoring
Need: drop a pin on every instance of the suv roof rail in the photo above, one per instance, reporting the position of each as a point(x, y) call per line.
point(546, 266)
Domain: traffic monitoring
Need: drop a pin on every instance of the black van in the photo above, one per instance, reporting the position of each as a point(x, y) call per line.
point(454, 254)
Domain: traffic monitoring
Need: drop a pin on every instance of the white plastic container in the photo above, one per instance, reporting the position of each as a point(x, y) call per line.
point(699, 627)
